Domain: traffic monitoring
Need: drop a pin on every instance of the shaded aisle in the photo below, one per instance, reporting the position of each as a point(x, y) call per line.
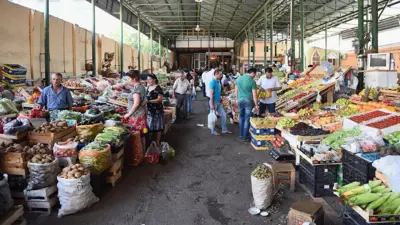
point(206, 183)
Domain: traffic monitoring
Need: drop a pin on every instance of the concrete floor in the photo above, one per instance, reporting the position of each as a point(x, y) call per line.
point(206, 183)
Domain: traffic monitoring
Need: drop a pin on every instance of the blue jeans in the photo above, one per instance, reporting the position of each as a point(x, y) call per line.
point(245, 107)
point(189, 103)
point(263, 108)
point(219, 108)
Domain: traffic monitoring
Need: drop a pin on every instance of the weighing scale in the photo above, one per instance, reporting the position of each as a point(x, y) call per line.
point(282, 155)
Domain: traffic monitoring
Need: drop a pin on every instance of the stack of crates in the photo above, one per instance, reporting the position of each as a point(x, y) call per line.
point(319, 178)
point(261, 135)
point(356, 168)
point(13, 75)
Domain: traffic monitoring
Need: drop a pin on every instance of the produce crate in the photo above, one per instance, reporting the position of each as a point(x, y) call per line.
point(264, 148)
point(117, 155)
point(44, 207)
point(41, 195)
point(362, 217)
point(48, 137)
point(350, 174)
point(14, 69)
point(361, 165)
point(263, 126)
point(17, 183)
point(317, 188)
point(113, 180)
point(10, 80)
point(14, 216)
point(321, 173)
point(262, 131)
point(116, 167)
point(13, 160)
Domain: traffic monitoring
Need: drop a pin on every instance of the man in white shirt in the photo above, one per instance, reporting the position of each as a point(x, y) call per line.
point(180, 91)
point(271, 83)
point(207, 78)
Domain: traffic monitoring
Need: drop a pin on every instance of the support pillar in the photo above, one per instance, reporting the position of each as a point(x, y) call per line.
point(94, 39)
point(248, 50)
point(209, 51)
point(265, 37)
point(271, 38)
point(375, 17)
point(292, 35)
point(138, 48)
point(326, 43)
point(340, 55)
point(302, 35)
point(47, 44)
point(254, 47)
point(121, 41)
point(360, 36)
point(151, 49)
point(159, 49)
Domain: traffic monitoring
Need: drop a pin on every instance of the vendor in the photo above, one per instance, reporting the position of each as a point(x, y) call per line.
point(269, 82)
point(56, 96)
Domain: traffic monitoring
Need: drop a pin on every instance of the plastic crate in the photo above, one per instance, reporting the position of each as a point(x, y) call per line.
point(14, 81)
point(321, 173)
point(347, 220)
point(258, 143)
point(14, 69)
point(361, 165)
point(350, 174)
point(262, 131)
point(317, 189)
point(371, 156)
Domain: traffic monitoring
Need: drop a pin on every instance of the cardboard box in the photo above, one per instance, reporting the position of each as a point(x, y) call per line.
point(306, 211)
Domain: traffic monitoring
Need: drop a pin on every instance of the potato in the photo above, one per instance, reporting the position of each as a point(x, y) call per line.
point(77, 174)
point(70, 176)
point(81, 168)
point(73, 167)
point(74, 171)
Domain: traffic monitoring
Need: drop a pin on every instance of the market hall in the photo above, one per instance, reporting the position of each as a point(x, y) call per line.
point(215, 112)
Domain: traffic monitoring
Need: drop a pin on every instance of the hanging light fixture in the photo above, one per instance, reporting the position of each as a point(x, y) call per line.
point(197, 28)
point(198, 1)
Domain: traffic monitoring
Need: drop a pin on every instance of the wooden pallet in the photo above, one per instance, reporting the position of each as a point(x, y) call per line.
point(116, 167)
point(118, 155)
point(51, 142)
point(14, 216)
point(49, 137)
point(42, 195)
point(41, 206)
point(13, 160)
point(16, 171)
point(114, 179)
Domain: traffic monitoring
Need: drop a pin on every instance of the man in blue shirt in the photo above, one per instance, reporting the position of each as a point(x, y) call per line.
point(215, 102)
point(55, 96)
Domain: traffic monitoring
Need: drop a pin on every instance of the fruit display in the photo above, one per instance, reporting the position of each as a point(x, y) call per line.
point(348, 111)
point(122, 98)
point(260, 121)
point(356, 98)
point(393, 138)
point(73, 84)
point(337, 139)
point(74, 172)
point(275, 114)
point(299, 96)
point(286, 123)
point(369, 91)
point(305, 113)
point(261, 172)
point(42, 158)
point(368, 116)
point(385, 123)
point(333, 128)
point(34, 97)
point(325, 119)
point(279, 142)
point(343, 102)
point(52, 127)
point(372, 196)
point(303, 129)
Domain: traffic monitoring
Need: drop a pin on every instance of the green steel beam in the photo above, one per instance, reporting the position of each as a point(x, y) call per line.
point(234, 15)
point(265, 36)
point(271, 38)
point(47, 44)
point(248, 49)
point(159, 48)
point(254, 46)
point(94, 38)
point(360, 30)
point(326, 43)
point(151, 49)
point(292, 34)
point(375, 17)
point(121, 41)
point(138, 47)
point(302, 34)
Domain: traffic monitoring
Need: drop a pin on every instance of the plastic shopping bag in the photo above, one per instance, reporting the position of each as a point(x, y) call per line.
point(153, 153)
point(212, 119)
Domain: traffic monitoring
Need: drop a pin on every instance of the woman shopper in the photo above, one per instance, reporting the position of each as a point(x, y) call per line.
point(137, 101)
point(155, 109)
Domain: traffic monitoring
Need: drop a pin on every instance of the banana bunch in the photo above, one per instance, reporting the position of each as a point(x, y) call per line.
point(261, 94)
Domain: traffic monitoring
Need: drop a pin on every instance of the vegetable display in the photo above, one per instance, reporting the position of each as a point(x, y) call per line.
point(303, 129)
point(69, 115)
point(65, 149)
point(343, 102)
point(52, 127)
point(261, 172)
point(74, 172)
point(336, 140)
point(368, 116)
point(96, 156)
point(42, 158)
point(374, 196)
point(385, 123)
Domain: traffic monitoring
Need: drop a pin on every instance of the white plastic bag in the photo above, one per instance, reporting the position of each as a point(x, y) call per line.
point(153, 153)
point(263, 191)
point(212, 119)
point(6, 202)
point(42, 175)
point(75, 195)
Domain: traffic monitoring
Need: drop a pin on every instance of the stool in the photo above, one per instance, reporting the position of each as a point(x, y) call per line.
point(284, 173)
